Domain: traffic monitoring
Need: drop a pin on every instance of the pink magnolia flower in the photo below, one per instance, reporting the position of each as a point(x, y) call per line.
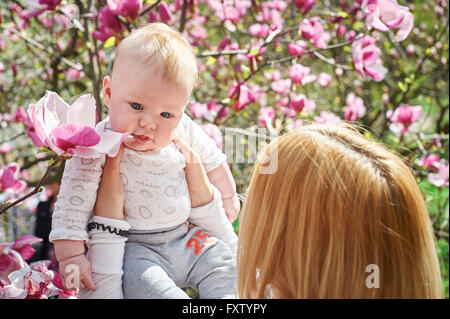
point(73, 74)
point(217, 110)
point(241, 94)
point(20, 116)
point(259, 30)
point(28, 283)
point(301, 102)
point(69, 130)
point(430, 162)
point(300, 74)
point(282, 86)
point(326, 117)
point(403, 117)
point(9, 179)
point(198, 109)
point(441, 178)
point(164, 13)
point(5, 148)
point(109, 25)
point(384, 15)
point(266, 116)
point(304, 5)
point(129, 9)
point(213, 132)
point(355, 108)
point(50, 4)
point(366, 58)
point(312, 29)
point(297, 48)
point(324, 79)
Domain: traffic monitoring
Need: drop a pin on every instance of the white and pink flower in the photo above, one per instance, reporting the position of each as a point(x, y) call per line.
point(366, 58)
point(69, 130)
point(385, 15)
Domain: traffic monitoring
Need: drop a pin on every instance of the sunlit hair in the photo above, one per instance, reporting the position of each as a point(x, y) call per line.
point(157, 47)
point(337, 203)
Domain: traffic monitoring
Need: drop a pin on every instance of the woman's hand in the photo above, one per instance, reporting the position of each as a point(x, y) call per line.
point(111, 194)
point(199, 187)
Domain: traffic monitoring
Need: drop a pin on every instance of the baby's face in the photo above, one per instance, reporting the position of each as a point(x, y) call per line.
point(142, 104)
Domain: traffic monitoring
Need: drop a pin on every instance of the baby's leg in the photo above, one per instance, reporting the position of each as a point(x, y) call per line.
point(213, 266)
point(105, 254)
point(145, 277)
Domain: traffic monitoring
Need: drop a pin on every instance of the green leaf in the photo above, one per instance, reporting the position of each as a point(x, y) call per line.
point(111, 41)
point(211, 60)
point(254, 51)
point(402, 86)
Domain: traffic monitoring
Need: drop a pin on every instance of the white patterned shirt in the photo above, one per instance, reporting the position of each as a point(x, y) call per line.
point(156, 192)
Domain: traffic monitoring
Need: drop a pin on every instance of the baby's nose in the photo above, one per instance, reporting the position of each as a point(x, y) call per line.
point(148, 122)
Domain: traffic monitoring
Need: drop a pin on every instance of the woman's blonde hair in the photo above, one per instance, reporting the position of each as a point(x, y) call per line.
point(337, 204)
point(160, 48)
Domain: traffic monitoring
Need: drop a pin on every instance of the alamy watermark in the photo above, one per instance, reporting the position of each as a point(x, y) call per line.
point(373, 279)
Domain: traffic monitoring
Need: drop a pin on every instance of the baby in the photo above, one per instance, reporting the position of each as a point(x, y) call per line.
point(169, 243)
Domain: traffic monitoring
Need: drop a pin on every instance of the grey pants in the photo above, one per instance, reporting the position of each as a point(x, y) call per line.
point(158, 264)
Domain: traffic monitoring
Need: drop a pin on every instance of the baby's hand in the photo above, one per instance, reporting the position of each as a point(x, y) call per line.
point(76, 273)
point(200, 190)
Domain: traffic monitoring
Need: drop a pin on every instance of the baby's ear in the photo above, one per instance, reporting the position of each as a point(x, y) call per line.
point(106, 90)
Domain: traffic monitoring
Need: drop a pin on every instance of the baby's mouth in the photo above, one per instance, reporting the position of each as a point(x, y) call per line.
point(141, 138)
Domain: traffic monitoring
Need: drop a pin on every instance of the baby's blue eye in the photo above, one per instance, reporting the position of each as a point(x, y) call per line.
point(136, 106)
point(165, 115)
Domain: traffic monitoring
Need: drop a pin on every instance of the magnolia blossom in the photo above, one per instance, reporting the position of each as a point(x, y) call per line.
point(366, 57)
point(430, 162)
point(324, 79)
point(198, 109)
point(326, 117)
point(403, 117)
point(441, 178)
point(242, 94)
point(213, 132)
point(129, 9)
point(384, 15)
point(232, 11)
point(355, 108)
point(164, 13)
point(69, 130)
point(9, 179)
point(304, 5)
point(312, 29)
point(266, 116)
point(259, 30)
point(5, 148)
point(297, 48)
point(109, 25)
point(281, 86)
point(11, 254)
point(300, 102)
point(300, 74)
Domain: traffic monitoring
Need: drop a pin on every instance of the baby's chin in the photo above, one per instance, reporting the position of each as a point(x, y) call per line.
point(142, 147)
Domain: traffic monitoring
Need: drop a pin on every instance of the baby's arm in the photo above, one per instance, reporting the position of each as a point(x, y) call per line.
point(215, 164)
point(73, 208)
point(106, 249)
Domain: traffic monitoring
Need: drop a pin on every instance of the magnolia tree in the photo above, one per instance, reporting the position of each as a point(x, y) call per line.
point(266, 67)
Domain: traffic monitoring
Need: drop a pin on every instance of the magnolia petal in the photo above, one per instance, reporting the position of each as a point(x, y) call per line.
point(74, 134)
point(26, 240)
point(11, 292)
point(110, 143)
point(83, 110)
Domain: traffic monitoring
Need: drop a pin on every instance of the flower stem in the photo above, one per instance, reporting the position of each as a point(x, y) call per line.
point(37, 189)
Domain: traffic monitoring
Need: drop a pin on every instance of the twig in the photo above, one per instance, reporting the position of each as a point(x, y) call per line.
point(37, 189)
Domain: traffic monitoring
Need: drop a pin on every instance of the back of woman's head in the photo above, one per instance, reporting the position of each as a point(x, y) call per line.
point(338, 209)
